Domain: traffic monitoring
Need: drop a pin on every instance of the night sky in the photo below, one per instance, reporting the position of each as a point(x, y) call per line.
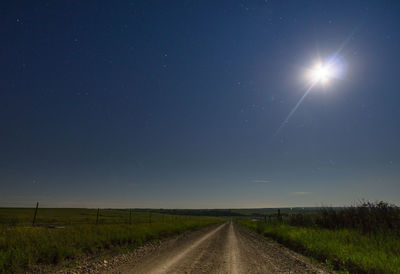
point(177, 104)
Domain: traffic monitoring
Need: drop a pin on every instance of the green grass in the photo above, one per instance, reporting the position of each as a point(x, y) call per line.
point(342, 249)
point(23, 246)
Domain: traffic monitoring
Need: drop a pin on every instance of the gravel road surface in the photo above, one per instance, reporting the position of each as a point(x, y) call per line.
point(226, 248)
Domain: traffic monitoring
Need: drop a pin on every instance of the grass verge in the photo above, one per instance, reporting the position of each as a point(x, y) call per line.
point(23, 247)
point(342, 249)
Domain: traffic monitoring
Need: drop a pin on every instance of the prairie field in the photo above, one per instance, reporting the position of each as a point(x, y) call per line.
point(61, 235)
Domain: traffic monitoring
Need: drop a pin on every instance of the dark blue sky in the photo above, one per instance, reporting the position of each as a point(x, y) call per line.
point(177, 103)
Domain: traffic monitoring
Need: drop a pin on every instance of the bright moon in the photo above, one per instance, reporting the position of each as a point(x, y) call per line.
point(321, 73)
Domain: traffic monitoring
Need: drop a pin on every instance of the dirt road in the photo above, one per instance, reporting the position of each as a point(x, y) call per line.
point(227, 248)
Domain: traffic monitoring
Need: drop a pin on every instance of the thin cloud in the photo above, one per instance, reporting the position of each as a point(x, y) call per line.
point(261, 181)
point(300, 193)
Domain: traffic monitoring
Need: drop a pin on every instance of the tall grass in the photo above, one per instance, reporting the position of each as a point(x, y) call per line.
point(22, 247)
point(342, 249)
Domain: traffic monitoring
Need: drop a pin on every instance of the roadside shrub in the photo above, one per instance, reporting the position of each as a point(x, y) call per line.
point(301, 220)
point(367, 217)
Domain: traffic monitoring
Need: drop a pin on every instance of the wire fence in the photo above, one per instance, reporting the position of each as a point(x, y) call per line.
point(58, 217)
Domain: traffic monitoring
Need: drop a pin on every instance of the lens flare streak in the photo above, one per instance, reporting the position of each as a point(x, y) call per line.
point(294, 108)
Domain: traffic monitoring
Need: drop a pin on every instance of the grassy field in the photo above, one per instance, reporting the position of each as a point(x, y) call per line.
point(73, 216)
point(73, 233)
point(360, 239)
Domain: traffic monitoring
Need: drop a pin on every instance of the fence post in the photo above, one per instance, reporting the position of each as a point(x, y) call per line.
point(265, 218)
point(130, 216)
point(97, 217)
point(279, 214)
point(34, 216)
